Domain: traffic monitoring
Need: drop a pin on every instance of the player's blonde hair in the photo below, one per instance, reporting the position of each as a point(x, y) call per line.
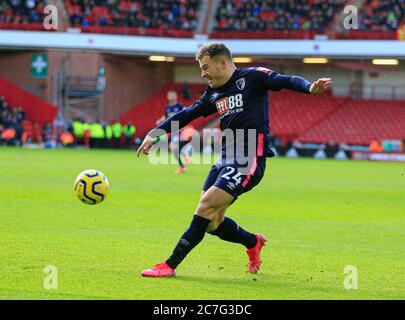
point(214, 49)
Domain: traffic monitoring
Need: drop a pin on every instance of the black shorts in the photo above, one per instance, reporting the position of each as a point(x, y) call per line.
point(228, 178)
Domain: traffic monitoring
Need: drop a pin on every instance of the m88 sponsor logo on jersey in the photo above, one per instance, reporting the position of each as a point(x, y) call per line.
point(227, 104)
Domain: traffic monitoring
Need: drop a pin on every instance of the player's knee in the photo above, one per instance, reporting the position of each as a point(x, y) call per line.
point(207, 209)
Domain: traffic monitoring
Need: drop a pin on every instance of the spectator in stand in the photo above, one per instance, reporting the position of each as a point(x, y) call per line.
point(129, 132)
point(47, 136)
point(10, 120)
point(20, 114)
point(331, 148)
point(274, 141)
point(3, 104)
point(107, 131)
point(78, 131)
point(37, 133)
point(96, 135)
point(185, 91)
point(2, 140)
point(375, 146)
point(116, 134)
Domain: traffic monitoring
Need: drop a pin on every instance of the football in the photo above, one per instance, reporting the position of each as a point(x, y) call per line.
point(91, 186)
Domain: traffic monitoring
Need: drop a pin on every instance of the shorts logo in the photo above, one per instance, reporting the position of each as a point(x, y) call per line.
point(231, 185)
point(222, 106)
point(240, 83)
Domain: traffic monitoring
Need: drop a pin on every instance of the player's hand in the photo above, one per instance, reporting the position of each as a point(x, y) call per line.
point(147, 143)
point(320, 85)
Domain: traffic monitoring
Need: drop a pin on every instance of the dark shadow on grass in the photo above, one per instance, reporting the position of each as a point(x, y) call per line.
point(254, 279)
point(273, 284)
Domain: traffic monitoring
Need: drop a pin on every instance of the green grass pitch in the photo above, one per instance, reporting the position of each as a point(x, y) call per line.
point(319, 217)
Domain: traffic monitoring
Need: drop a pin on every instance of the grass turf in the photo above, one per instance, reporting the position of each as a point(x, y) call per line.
point(319, 216)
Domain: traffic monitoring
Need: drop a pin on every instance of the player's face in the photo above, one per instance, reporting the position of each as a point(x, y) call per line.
point(212, 70)
point(172, 97)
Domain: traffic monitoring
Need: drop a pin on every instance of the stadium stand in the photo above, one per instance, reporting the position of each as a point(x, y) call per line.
point(291, 113)
point(263, 19)
point(274, 19)
point(23, 112)
point(176, 18)
point(359, 121)
point(22, 14)
point(312, 119)
point(378, 20)
point(293, 116)
point(234, 19)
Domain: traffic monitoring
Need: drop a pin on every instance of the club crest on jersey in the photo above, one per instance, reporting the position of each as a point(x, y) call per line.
point(240, 83)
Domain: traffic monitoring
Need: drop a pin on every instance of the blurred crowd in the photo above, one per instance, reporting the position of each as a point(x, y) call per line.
point(100, 134)
point(11, 119)
point(22, 11)
point(381, 15)
point(17, 130)
point(231, 15)
point(171, 14)
point(279, 15)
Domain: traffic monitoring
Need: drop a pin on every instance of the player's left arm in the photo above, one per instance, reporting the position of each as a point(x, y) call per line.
point(183, 117)
point(198, 109)
point(276, 81)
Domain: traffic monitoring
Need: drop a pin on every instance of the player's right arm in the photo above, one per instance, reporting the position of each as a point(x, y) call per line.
point(198, 109)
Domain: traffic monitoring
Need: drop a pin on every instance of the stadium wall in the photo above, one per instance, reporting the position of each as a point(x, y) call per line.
point(15, 68)
point(130, 81)
point(77, 63)
point(384, 85)
point(341, 78)
point(188, 73)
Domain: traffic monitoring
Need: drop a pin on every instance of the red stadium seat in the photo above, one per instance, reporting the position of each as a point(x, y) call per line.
point(359, 121)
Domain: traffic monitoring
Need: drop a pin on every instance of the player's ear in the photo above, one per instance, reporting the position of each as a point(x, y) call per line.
point(223, 62)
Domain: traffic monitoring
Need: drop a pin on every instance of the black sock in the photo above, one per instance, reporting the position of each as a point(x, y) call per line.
point(193, 235)
point(229, 230)
point(178, 158)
